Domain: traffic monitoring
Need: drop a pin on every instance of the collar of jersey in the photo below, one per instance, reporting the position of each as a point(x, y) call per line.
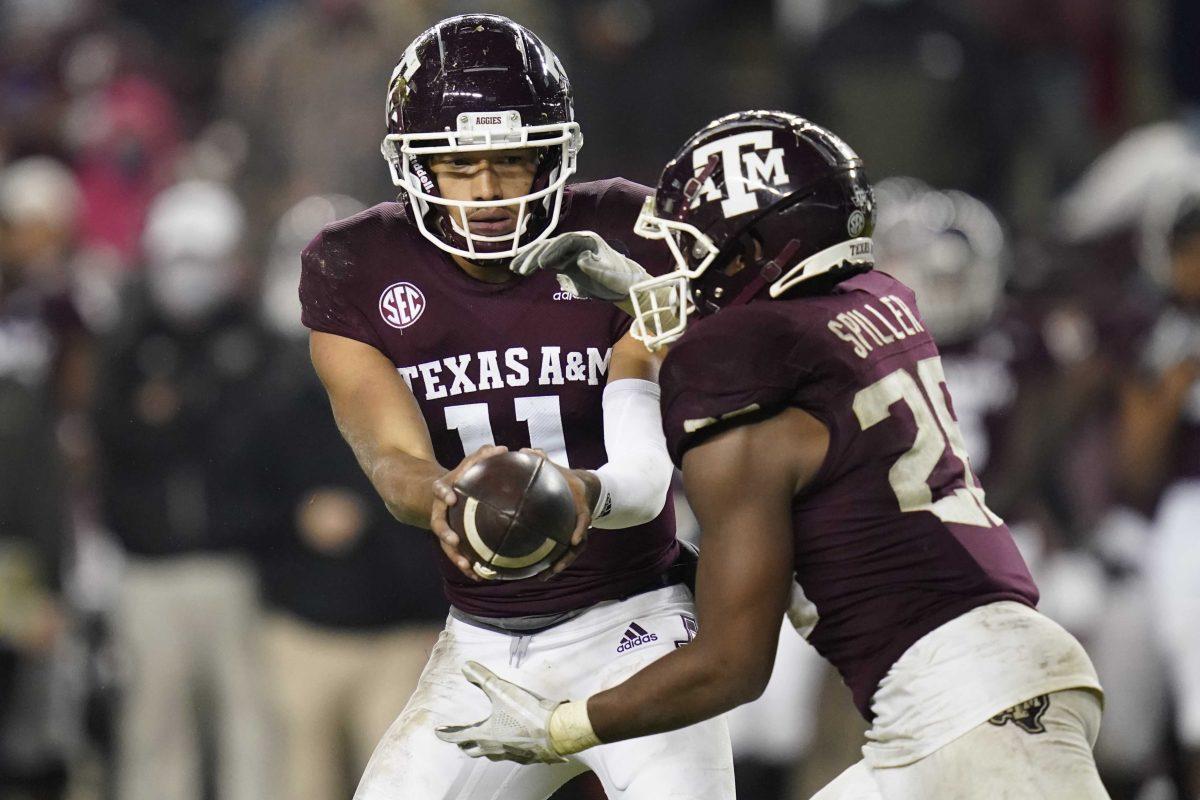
point(460, 281)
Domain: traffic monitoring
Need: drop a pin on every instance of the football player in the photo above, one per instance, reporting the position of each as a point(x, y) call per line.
point(804, 400)
point(434, 354)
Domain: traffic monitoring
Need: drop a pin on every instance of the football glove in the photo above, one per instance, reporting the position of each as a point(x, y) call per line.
point(585, 261)
point(518, 729)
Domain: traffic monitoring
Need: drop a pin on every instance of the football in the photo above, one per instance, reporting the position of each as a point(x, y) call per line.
point(514, 515)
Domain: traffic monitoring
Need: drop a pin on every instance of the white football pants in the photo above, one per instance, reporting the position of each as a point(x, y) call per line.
point(580, 657)
point(995, 762)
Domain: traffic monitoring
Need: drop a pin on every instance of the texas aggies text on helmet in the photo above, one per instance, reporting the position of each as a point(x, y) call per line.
point(477, 83)
point(755, 202)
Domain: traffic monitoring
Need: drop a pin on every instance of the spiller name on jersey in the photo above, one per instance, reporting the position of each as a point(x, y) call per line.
point(880, 322)
point(513, 367)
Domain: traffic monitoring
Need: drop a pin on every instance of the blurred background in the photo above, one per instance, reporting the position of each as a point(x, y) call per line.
point(200, 596)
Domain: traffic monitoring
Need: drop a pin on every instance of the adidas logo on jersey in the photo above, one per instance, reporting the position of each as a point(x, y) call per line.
point(635, 635)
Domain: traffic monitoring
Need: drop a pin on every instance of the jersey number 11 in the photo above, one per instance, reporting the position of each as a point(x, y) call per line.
point(542, 413)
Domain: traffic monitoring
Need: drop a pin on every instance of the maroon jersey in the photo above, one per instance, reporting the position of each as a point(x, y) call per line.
point(521, 364)
point(892, 537)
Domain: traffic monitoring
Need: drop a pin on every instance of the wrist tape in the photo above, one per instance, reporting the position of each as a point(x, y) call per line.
point(570, 728)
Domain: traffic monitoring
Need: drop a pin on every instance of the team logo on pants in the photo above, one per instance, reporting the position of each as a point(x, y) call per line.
point(689, 630)
point(635, 635)
point(1027, 715)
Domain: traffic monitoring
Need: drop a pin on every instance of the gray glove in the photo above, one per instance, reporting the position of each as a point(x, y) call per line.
point(585, 261)
point(518, 729)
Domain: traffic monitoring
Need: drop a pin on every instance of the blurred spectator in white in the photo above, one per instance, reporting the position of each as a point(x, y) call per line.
point(1124, 184)
point(44, 375)
point(174, 412)
point(353, 610)
point(1144, 327)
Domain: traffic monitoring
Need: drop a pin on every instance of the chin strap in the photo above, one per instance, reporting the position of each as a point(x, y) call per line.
point(852, 251)
point(767, 273)
point(855, 252)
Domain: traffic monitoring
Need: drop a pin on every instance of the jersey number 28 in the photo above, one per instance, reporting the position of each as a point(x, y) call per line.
point(936, 430)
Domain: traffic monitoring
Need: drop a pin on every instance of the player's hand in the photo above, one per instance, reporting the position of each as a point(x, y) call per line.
point(518, 729)
point(587, 262)
point(585, 487)
point(444, 497)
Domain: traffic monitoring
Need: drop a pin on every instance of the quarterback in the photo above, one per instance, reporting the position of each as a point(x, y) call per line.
point(434, 353)
point(804, 399)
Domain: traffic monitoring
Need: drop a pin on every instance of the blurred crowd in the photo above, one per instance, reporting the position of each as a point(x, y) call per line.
point(200, 595)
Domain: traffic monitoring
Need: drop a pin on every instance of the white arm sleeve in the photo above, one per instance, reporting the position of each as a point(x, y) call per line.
point(634, 482)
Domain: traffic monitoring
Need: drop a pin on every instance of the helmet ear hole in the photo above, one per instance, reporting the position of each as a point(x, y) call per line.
point(753, 246)
point(747, 250)
point(733, 266)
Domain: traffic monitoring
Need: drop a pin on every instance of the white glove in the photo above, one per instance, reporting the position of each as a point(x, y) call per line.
point(586, 261)
point(518, 729)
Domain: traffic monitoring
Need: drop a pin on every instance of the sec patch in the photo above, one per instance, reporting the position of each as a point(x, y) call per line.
point(401, 304)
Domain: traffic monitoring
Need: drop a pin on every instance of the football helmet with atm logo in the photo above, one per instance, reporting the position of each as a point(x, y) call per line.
point(755, 204)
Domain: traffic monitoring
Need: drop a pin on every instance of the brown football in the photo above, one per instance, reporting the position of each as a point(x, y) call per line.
point(514, 515)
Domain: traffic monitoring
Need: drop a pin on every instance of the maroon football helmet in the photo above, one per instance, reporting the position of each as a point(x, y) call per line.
point(783, 195)
point(473, 83)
